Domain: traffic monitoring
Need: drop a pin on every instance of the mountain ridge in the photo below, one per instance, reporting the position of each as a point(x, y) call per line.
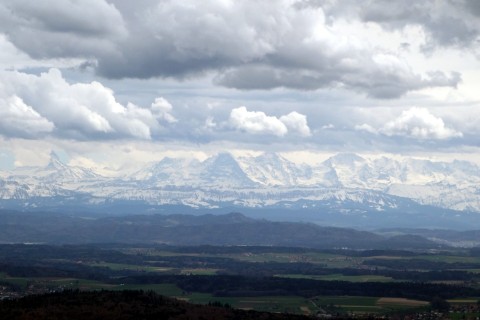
point(344, 183)
point(180, 229)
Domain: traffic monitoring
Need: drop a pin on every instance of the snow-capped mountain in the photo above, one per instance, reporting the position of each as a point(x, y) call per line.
point(223, 171)
point(343, 182)
point(220, 171)
point(271, 169)
point(54, 179)
point(168, 171)
point(55, 172)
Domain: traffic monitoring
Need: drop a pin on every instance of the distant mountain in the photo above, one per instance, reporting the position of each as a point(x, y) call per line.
point(454, 238)
point(55, 172)
point(271, 169)
point(229, 229)
point(372, 192)
point(223, 171)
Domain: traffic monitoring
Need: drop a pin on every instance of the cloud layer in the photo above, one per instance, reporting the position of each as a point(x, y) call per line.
point(307, 73)
point(246, 44)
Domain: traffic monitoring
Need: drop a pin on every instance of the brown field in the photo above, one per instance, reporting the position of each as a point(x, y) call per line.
point(472, 300)
point(256, 301)
point(385, 257)
point(402, 302)
point(306, 310)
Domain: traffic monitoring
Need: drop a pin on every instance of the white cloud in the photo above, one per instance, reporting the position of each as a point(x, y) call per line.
point(328, 126)
point(419, 123)
point(19, 119)
point(161, 109)
point(416, 123)
point(257, 122)
point(296, 122)
point(366, 127)
point(210, 123)
point(80, 110)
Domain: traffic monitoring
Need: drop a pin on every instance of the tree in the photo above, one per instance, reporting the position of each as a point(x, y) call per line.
point(439, 304)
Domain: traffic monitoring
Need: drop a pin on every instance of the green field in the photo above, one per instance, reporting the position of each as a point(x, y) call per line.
point(359, 304)
point(289, 304)
point(325, 259)
point(199, 271)
point(339, 277)
point(16, 281)
point(120, 266)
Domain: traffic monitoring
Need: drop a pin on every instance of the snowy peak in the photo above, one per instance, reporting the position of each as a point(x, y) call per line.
point(60, 172)
point(271, 169)
point(55, 163)
point(350, 169)
point(223, 170)
point(169, 171)
point(386, 171)
point(260, 180)
point(350, 160)
point(223, 159)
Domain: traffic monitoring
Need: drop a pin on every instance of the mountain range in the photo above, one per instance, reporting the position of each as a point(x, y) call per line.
point(345, 189)
point(178, 229)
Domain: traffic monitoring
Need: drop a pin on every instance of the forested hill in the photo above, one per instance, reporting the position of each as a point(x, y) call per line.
point(230, 229)
point(123, 305)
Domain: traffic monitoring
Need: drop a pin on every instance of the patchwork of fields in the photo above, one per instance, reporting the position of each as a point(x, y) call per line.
point(273, 279)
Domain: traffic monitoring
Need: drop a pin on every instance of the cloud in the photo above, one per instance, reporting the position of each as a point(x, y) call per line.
point(328, 126)
point(451, 23)
point(366, 127)
point(296, 122)
point(20, 120)
point(62, 28)
point(296, 47)
point(161, 109)
point(257, 122)
point(382, 76)
point(445, 23)
point(181, 39)
point(417, 123)
point(78, 111)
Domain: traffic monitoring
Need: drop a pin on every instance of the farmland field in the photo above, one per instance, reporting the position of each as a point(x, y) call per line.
point(273, 279)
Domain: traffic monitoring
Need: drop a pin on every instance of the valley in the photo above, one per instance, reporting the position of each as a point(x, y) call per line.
point(321, 283)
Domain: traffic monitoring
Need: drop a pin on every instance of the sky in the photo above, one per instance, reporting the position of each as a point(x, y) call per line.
point(113, 83)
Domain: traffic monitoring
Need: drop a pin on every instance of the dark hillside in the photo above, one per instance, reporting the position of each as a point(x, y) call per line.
point(218, 230)
point(123, 305)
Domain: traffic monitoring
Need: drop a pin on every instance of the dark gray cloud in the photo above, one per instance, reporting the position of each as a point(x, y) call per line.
point(471, 5)
point(247, 44)
point(450, 23)
point(62, 29)
point(181, 39)
point(446, 24)
point(375, 81)
point(249, 51)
